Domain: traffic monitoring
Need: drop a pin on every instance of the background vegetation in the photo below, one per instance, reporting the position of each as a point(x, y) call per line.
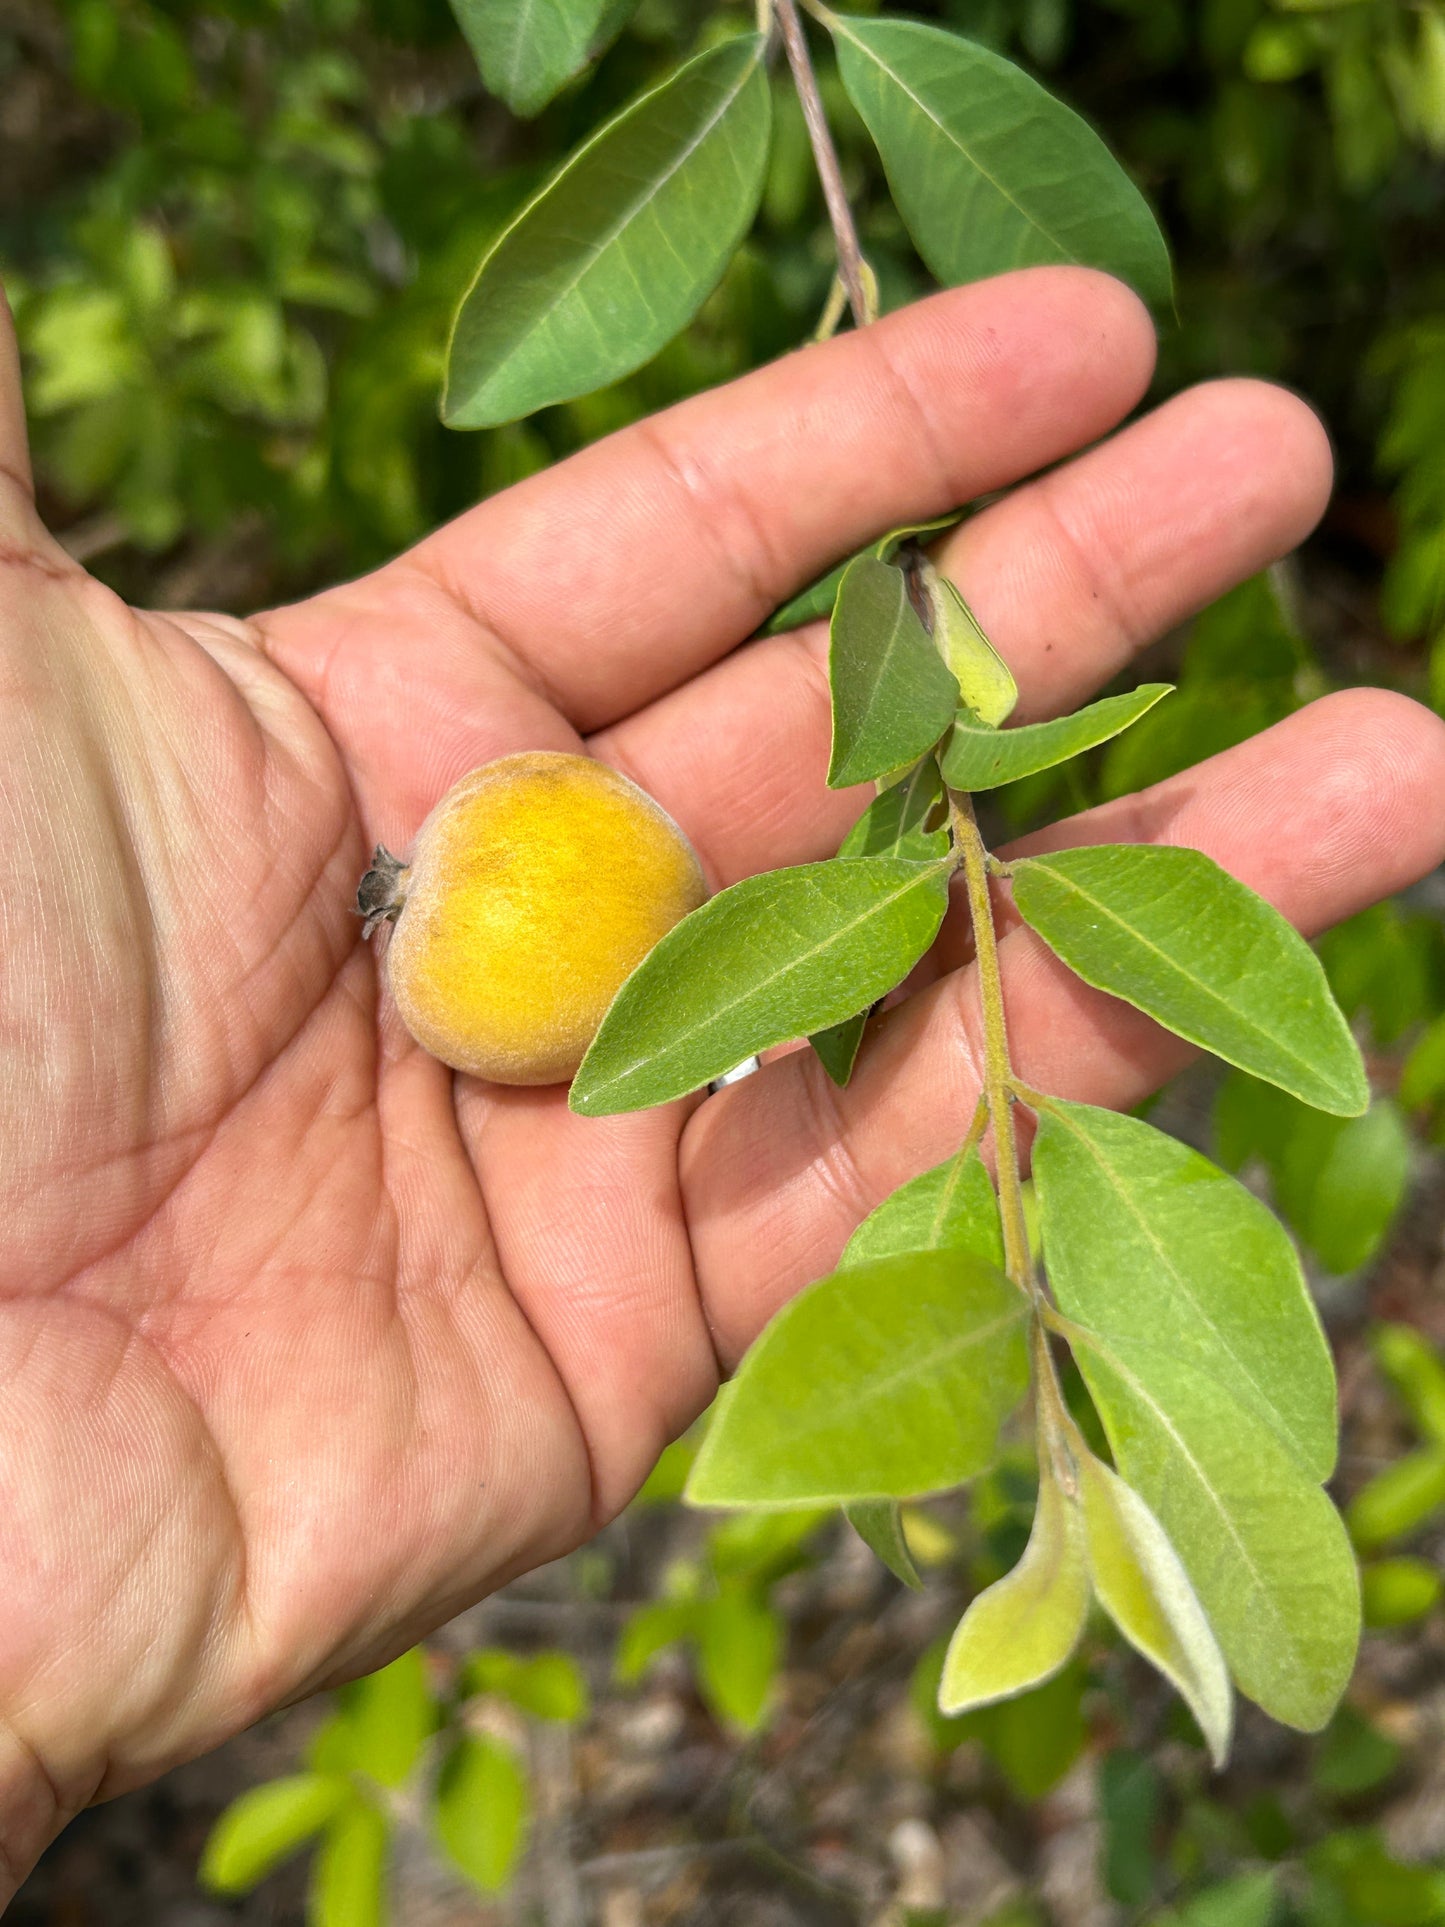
point(234, 235)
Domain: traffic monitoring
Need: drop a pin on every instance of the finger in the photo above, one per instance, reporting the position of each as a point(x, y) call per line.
point(1325, 813)
point(632, 565)
point(14, 447)
point(1071, 575)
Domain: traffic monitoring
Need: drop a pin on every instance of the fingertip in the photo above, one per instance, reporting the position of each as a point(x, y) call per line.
point(1278, 451)
point(1380, 796)
point(1035, 326)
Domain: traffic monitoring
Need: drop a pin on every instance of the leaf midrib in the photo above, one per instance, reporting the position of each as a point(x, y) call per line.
point(1147, 943)
point(634, 209)
point(882, 663)
point(683, 1039)
point(1057, 728)
point(1152, 1240)
point(839, 27)
point(1093, 1340)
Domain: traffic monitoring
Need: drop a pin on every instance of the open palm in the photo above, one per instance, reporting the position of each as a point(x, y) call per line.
point(306, 1344)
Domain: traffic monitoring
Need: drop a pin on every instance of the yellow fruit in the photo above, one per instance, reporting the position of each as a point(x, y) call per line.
point(536, 885)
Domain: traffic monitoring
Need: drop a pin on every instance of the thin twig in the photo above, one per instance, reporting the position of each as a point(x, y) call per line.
point(997, 1072)
point(851, 266)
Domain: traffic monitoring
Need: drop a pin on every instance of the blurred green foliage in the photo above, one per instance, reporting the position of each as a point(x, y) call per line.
point(235, 232)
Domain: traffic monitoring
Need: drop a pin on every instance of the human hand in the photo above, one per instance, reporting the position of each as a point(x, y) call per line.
point(306, 1345)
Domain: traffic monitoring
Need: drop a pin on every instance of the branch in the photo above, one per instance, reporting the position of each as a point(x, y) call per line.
point(852, 268)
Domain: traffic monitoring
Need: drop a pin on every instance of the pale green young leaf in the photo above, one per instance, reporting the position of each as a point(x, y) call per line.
point(481, 1809)
point(348, 1876)
point(978, 756)
point(384, 1720)
point(893, 694)
point(950, 1208)
point(1022, 1630)
point(1148, 1239)
point(880, 1382)
point(984, 679)
point(1142, 1585)
point(1264, 1548)
point(528, 50)
point(620, 249)
point(773, 958)
point(739, 1649)
point(1171, 932)
point(879, 1524)
point(265, 1826)
point(988, 170)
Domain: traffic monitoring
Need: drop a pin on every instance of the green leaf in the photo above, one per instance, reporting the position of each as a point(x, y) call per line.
point(1354, 1756)
point(837, 1047)
point(1129, 1802)
point(980, 757)
point(1399, 1500)
point(984, 679)
point(1396, 1592)
point(881, 1382)
point(988, 171)
point(879, 1524)
point(529, 49)
point(1145, 1236)
point(348, 1875)
point(548, 1686)
point(771, 959)
point(950, 1208)
point(1341, 1182)
point(895, 823)
point(481, 1810)
point(649, 1631)
point(1422, 1076)
point(1142, 1585)
point(893, 694)
point(1035, 1738)
point(809, 605)
point(817, 600)
point(762, 1547)
point(620, 250)
point(383, 1721)
point(1172, 933)
point(908, 819)
point(1263, 1546)
point(1417, 1372)
point(739, 1648)
point(1022, 1630)
point(266, 1825)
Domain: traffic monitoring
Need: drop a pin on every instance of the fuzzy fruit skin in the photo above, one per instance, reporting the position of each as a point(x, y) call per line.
point(537, 884)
